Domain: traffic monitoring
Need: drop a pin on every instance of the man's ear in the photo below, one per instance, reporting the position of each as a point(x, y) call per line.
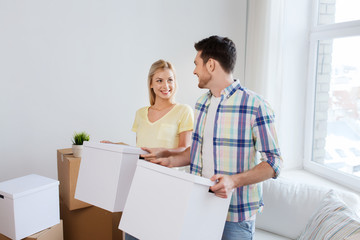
point(210, 65)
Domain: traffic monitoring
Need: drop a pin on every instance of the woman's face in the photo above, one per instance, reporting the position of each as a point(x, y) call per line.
point(163, 84)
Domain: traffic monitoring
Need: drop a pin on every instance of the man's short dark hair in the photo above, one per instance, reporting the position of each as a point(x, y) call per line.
point(218, 48)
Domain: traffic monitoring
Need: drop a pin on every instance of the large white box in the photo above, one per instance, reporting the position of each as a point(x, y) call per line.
point(105, 174)
point(164, 204)
point(28, 205)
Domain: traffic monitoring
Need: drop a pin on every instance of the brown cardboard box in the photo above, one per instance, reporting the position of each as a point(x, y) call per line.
point(90, 223)
point(52, 233)
point(68, 171)
point(2, 237)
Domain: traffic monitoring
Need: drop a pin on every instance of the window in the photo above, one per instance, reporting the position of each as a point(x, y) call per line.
point(333, 143)
point(336, 11)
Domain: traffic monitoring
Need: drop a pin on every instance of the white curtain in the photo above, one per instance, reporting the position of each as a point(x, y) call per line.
point(276, 60)
point(263, 57)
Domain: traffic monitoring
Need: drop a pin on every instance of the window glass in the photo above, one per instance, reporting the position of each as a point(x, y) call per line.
point(336, 11)
point(337, 105)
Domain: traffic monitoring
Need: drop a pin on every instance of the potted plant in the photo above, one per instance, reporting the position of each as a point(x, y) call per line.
point(78, 140)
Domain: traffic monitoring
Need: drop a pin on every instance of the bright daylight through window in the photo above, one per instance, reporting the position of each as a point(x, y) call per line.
point(336, 133)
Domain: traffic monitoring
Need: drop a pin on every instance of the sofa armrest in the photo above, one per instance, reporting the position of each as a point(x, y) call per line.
point(290, 204)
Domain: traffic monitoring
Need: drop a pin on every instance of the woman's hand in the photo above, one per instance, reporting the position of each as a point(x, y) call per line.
point(106, 141)
point(177, 157)
point(157, 155)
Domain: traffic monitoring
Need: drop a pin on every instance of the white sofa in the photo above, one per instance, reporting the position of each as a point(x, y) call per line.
point(291, 201)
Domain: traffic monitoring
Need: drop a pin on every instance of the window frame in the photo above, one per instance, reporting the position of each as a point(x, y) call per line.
point(318, 33)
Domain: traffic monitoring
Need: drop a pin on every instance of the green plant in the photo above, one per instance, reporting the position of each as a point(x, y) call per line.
point(79, 138)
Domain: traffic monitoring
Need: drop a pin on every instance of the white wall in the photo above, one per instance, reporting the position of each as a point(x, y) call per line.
point(78, 65)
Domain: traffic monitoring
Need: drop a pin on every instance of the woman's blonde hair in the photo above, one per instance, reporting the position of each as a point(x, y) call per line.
point(159, 65)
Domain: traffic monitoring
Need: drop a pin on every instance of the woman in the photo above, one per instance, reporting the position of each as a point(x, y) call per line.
point(165, 123)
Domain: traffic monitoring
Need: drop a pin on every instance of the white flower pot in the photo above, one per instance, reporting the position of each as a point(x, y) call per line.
point(77, 150)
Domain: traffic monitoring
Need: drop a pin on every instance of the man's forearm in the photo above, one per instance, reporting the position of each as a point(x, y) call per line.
point(259, 173)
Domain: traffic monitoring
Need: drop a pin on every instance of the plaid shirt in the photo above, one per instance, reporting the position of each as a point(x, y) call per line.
point(244, 125)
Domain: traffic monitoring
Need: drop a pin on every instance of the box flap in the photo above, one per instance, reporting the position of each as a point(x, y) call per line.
point(22, 186)
point(61, 153)
point(176, 173)
point(65, 151)
point(115, 147)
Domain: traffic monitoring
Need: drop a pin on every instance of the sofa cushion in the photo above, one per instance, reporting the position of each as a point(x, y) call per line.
point(355, 236)
point(289, 205)
point(333, 220)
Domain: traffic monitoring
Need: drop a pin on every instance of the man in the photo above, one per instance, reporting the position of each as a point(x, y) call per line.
point(232, 125)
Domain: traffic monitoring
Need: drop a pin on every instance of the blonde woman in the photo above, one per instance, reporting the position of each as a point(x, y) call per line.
point(165, 123)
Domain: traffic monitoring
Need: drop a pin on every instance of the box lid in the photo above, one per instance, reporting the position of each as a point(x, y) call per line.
point(115, 148)
point(22, 186)
point(175, 173)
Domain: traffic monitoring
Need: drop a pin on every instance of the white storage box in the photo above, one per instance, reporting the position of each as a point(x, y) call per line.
point(28, 205)
point(105, 174)
point(164, 204)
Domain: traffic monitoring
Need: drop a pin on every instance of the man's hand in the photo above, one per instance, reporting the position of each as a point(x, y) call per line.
point(157, 155)
point(224, 186)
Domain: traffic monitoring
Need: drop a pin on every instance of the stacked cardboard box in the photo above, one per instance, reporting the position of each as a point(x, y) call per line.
point(28, 204)
point(90, 223)
point(68, 171)
point(82, 221)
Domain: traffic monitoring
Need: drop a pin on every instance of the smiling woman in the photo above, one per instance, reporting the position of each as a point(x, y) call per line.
point(165, 123)
point(162, 88)
point(163, 85)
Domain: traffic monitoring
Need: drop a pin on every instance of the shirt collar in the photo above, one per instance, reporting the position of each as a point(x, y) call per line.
point(231, 89)
point(227, 92)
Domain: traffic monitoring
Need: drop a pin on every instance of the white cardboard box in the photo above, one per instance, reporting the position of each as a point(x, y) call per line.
point(164, 204)
point(28, 205)
point(105, 174)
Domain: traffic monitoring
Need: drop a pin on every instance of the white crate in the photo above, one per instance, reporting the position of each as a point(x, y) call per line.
point(164, 204)
point(105, 174)
point(28, 205)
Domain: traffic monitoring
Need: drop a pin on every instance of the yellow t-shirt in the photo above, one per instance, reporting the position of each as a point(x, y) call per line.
point(165, 131)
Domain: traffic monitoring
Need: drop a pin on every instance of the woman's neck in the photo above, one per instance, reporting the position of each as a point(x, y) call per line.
point(159, 109)
point(161, 105)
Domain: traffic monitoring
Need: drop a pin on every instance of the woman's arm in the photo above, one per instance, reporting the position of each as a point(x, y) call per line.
point(177, 157)
point(184, 139)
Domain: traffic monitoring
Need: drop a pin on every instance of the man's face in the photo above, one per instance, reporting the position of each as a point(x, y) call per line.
point(201, 72)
